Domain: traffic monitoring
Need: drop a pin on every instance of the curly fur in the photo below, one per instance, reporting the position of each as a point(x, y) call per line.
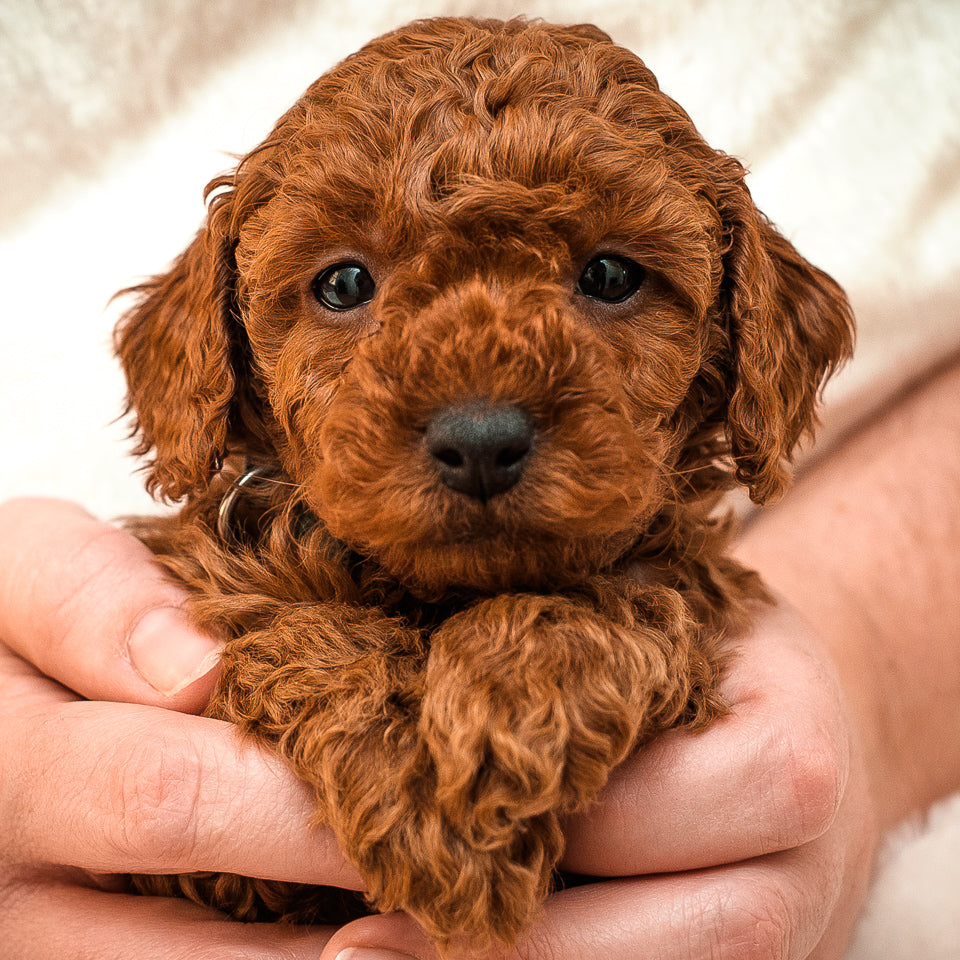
point(452, 674)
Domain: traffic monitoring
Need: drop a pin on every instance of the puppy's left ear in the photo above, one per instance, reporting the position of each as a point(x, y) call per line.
point(790, 327)
point(175, 347)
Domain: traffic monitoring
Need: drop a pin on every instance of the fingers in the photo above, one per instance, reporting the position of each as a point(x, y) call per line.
point(120, 788)
point(50, 921)
point(86, 603)
point(779, 761)
point(777, 906)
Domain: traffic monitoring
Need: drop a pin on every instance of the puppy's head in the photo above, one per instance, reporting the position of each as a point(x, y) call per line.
point(490, 302)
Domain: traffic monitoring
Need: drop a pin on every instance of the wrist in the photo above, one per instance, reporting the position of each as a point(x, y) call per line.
point(867, 548)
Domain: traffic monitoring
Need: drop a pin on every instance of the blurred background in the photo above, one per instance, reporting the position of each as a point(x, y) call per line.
point(116, 113)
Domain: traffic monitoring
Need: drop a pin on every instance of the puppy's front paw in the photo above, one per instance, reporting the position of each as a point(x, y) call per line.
point(467, 888)
point(529, 703)
point(530, 700)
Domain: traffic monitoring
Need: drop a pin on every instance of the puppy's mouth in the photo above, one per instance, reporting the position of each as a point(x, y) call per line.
point(485, 496)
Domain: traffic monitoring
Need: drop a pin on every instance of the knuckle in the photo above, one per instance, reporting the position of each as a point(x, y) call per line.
point(538, 944)
point(755, 924)
point(16, 894)
point(155, 797)
point(79, 580)
point(14, 888)
point(814, 778)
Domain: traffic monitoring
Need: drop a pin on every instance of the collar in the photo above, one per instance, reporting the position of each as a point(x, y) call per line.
point(232, 529)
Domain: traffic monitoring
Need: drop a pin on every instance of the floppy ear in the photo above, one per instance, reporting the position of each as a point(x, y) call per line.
point(790, 327)
point(175, 347)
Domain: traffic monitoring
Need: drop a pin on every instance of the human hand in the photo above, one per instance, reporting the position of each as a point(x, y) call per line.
point(753, 839)
point(90, 790)
point(770, 823)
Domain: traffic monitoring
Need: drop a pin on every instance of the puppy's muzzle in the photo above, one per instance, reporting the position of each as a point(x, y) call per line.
point(480, 449)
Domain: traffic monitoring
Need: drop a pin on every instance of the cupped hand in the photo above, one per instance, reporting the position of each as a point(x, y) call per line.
point(92, 790)
point(752, 839)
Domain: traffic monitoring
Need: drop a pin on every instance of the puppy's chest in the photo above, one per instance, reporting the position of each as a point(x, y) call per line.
point(236, 592)
point(270, 562)
point(376, 590)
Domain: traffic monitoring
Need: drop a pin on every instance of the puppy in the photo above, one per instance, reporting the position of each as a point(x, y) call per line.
point(451, 384)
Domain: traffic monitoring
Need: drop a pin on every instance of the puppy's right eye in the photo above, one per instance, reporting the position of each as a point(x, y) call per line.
point(610, 278)
point(343, 286)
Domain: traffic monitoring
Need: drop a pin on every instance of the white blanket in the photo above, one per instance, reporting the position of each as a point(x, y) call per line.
point(116, 113)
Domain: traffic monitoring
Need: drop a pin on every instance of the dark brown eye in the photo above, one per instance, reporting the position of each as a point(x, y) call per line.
point(343, 286)
point(610, 278)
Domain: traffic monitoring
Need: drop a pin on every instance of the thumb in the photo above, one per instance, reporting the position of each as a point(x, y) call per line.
point(86, 603)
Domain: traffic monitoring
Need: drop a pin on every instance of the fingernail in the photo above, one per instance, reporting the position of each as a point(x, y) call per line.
point(168, 652)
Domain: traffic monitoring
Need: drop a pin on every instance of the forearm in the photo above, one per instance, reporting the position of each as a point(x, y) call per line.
point(867, 547)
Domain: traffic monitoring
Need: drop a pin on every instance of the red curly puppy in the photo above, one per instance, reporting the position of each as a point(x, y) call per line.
point(451, 382)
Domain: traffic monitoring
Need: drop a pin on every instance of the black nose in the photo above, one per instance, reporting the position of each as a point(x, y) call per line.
point(480, 448)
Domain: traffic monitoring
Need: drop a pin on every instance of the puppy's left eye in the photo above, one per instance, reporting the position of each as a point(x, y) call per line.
point(343, 286)
point(610, 278)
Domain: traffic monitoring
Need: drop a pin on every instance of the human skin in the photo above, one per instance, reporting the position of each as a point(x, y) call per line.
point(845, 719)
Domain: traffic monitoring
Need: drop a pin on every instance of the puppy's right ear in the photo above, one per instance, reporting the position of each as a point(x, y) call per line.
point(176, 348)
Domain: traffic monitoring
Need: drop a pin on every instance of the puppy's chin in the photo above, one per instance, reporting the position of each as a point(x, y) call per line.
point(436, 541)
point(432, 570)
point(554, 526)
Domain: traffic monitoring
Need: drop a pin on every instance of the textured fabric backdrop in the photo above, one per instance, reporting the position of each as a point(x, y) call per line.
point(115, 113)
